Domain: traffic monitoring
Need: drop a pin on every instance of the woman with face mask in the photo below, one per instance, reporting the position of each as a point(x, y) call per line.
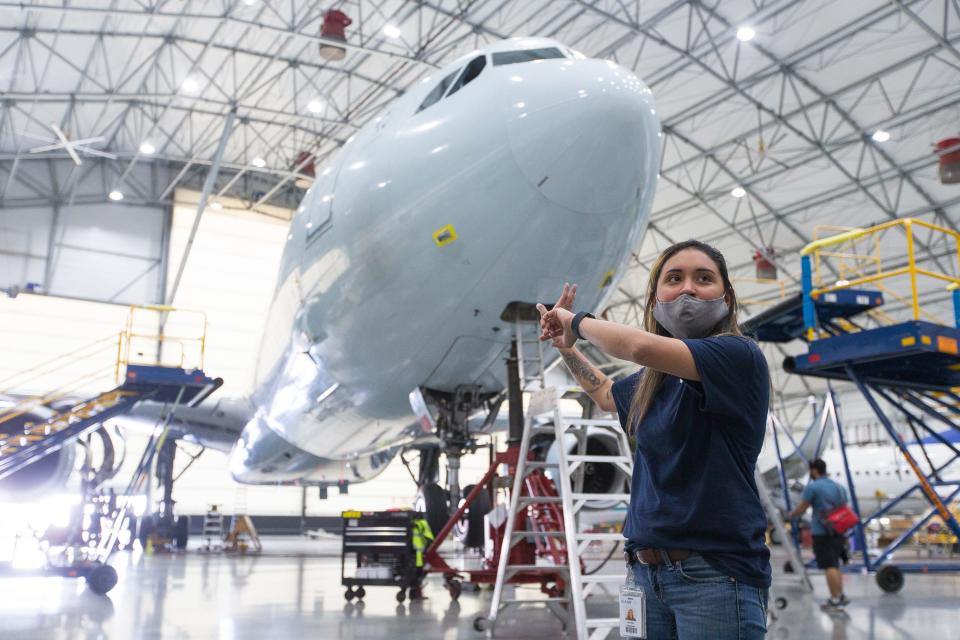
point(698, 409)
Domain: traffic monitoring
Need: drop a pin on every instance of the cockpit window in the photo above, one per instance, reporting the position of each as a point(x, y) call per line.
point(526, 55)
point(438, 91)
point(470, 73)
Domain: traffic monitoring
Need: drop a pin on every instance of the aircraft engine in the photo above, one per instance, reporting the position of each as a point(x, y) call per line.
point(598, 477)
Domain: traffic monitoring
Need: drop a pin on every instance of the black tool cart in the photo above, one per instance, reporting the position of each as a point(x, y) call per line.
point(378, 552)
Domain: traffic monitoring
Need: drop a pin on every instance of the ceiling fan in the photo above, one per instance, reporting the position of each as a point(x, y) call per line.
point(63, 141)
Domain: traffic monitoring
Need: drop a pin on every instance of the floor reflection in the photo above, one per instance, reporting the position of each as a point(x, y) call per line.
point(203, 596)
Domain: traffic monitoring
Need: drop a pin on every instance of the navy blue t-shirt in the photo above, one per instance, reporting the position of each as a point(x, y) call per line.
point(693, 485)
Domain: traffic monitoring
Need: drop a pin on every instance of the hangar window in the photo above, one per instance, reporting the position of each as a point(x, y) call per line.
point(438, 91)
point(527, 55)
point(470, 73)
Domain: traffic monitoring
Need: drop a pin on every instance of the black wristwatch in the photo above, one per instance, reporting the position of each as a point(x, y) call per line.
point(577, 319)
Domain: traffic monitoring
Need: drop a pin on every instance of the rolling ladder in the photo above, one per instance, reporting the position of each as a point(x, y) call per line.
point(213, 529)
point(544, 417)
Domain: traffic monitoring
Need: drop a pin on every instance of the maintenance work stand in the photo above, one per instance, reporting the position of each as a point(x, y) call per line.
point(171, 381)
point(912, 365)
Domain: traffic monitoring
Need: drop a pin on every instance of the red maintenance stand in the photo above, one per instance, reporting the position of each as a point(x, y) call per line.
point(544, 521)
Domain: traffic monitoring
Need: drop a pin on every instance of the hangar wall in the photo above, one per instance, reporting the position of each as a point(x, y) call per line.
point(77, 243)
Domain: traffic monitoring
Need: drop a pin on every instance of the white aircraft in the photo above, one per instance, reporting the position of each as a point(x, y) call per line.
point(880, 473)
point(468, 200)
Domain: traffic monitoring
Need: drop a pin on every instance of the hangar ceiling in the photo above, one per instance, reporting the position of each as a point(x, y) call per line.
point(826, 116)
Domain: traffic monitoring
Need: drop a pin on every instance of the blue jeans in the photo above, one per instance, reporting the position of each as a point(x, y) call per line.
point(690, 600)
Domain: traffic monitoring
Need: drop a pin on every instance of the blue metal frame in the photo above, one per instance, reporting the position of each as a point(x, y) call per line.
point(859, 529)
point(809, 313)
point(913, 354)
point(902, 363)
point(956, 307)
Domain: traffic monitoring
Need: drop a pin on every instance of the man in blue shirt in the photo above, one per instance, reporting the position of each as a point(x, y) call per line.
point(825, 495)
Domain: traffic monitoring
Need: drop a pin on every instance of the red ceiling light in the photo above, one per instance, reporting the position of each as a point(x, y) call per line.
point(305, 165)
point(334, 27)
point(766, 269)
point(949, 151)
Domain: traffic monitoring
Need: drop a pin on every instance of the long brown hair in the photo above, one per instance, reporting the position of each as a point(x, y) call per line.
point(650, 380)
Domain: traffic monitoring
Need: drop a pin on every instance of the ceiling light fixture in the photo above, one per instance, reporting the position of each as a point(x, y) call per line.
point(115, 195)
point(745, 34)
point(738, 192)
point(880, 135)
point(316, 105)
point(190, 85)
point(147, 149)
point(391, 31)
point(258, 162)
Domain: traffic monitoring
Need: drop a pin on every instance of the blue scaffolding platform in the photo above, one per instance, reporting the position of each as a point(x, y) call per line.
point(914, 354)
point(913, 366)
point(784, 322)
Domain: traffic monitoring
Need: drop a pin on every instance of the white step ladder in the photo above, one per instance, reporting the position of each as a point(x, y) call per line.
point(239, 505)
point(568, 471)
point(213, 528)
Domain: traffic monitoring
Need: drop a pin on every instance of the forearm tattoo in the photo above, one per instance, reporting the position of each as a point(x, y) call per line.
point(582, 371)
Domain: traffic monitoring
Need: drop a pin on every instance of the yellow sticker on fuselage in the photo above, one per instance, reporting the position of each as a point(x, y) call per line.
point(607, 279)
point(445, 235)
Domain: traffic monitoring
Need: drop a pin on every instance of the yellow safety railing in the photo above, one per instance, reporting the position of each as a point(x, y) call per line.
point(850, 262)
point(162, 328)
point(152, 335)
point(825, 248)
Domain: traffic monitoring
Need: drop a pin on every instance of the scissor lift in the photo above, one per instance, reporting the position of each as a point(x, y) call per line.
point(913, 365)
point(24, 442)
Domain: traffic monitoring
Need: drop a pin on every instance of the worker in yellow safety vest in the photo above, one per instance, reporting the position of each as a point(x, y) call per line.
point(421, 536)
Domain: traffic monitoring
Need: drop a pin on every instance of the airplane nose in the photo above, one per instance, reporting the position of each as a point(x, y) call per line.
point(595, 148)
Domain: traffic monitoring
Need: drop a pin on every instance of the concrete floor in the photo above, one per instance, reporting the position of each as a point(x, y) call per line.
point(293, 591)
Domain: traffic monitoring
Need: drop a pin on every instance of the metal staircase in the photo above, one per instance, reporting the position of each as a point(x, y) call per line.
point(24, 444)
point(562, 538)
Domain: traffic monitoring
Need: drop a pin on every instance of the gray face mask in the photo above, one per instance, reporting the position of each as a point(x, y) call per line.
point(690, 317)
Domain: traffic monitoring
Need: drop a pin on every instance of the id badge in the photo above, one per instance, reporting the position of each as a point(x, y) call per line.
point(633, 613)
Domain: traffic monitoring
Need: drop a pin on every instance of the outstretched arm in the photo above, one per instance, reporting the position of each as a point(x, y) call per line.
point(669, 355)
point(593, 381)
point(661, 353)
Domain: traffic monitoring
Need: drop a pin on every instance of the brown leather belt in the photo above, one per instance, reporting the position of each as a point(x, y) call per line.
point(653, 557)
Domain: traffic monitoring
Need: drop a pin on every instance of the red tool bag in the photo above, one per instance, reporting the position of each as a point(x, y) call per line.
point(840, 520)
